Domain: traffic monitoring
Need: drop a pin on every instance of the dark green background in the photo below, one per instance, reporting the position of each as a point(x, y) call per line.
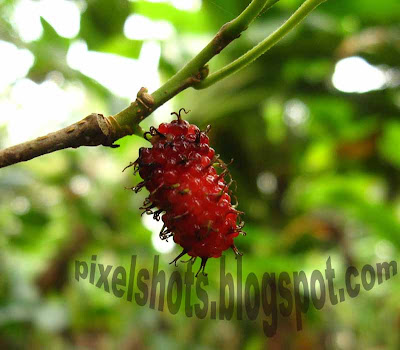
point(328, 186)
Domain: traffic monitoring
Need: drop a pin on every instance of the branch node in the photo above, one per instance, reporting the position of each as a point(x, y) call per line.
point(114, 131)
point(145, 99)
point(203, 72)
point(197, 78)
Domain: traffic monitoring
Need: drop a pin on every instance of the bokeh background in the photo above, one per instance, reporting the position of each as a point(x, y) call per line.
point(313, 127)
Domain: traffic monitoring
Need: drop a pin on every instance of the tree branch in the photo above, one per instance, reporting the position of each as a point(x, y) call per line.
point(262, 47)
point(196, 70)
point(96, 130)
point(268, 5)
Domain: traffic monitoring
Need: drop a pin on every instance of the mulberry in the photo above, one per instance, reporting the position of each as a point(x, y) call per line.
point(194, 200)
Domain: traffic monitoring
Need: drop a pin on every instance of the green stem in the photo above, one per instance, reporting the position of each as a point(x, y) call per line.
point(268, 5)
point(262, 47)
point(195, 70)
point(240, 23)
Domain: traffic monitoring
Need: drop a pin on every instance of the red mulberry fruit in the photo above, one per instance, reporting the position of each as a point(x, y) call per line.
point(185, 188)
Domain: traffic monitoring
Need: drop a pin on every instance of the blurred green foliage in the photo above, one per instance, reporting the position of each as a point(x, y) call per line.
point(317, 173)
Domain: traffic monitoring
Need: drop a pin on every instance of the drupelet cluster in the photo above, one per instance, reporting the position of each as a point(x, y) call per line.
point(186, 191)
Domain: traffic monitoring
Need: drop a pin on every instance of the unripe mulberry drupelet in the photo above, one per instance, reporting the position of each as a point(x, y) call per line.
point(185, 188)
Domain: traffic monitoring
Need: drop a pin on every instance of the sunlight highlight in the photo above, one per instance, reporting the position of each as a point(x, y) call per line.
point(139, 27)
point(63, 16)
point(354, 74)
point(32, 109)
point(187, 5)
point(121, 75)
point(15, 63)
point(296, 112)
point(183, 5)
point(155, 227)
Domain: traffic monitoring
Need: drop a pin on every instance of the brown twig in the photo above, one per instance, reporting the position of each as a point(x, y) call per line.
point(94, 130)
